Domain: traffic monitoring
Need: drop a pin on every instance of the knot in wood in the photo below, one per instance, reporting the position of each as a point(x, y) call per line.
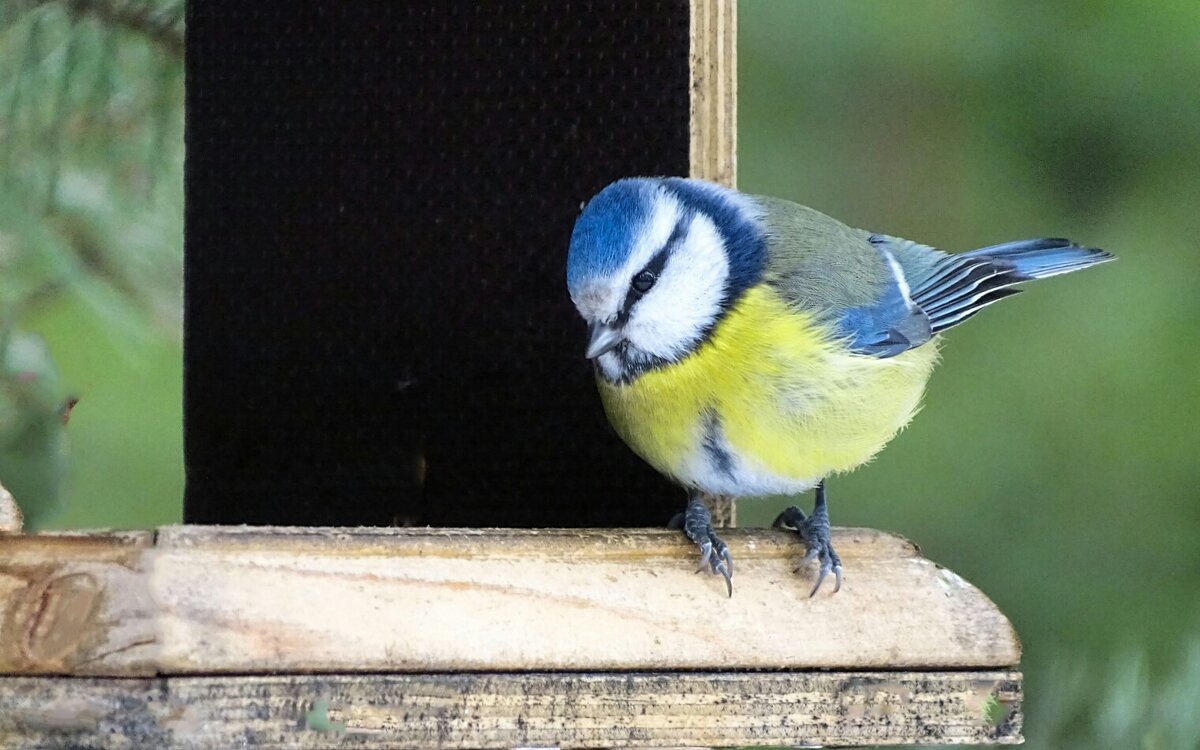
point(55, 616)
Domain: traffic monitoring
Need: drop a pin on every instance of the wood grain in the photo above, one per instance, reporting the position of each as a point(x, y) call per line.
point(260, 599)
point(76, 603)
point(713, 63)
point(513, 710)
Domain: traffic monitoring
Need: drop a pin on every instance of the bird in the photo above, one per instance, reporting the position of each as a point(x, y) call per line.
point(746, 345)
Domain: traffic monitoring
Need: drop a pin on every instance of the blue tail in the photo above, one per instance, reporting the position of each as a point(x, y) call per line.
point(1037, 259)
point(962, 285)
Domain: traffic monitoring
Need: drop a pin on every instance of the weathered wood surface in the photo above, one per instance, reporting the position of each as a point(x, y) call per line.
point(77, 603)
point(713, 64)
point(512, 710)
point(259, 599)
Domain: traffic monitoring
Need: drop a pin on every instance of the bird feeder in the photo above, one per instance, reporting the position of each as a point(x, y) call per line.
point(384, 377)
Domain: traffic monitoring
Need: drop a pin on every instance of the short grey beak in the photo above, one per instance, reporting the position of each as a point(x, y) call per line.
point(602, 338)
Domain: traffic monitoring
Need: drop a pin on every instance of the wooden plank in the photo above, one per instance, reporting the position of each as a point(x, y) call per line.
point(76, 603)
point(513, 710)
point(256, 599)
point(713, 62)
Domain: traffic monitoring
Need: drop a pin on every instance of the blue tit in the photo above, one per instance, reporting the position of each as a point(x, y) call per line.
point(746, 345)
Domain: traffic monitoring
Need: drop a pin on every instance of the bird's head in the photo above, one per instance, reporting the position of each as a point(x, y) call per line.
point(654, 263)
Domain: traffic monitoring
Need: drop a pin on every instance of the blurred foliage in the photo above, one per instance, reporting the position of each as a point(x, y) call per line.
point(1118, 705)
point(91, 240)
point(1054, 464)
point(33, 413)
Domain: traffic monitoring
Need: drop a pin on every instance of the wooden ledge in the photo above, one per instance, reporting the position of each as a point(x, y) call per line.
point(253, 599)
point(489, 638)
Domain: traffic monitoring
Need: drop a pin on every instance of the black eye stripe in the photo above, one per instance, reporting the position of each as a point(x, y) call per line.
point(655, 265)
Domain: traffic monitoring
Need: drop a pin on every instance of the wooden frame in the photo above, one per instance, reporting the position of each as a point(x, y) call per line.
point(713, 61)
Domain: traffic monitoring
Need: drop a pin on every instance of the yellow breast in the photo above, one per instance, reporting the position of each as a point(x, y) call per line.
point(770, 403)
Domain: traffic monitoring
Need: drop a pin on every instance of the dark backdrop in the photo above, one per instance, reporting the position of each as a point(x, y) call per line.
point(379, 201)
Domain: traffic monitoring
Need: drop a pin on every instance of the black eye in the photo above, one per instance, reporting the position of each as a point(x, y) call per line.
point(643, 281)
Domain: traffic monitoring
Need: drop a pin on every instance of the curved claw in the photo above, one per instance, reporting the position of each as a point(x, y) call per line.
point(714, 553)
point(717, 562)
point(706, 556)
point(814, 530)
point(725, 568)
point(728, 579)
point(809, 557)
point(829, 562)
point(820, 579)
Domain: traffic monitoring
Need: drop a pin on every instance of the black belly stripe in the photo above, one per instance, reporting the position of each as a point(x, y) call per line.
point(711, 442)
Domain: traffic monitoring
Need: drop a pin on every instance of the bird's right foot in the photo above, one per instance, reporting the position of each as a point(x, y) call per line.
point(814, 530)
point(696, 522)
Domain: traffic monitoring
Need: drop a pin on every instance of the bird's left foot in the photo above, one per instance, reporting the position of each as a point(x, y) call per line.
point(814, 530)
point(696, 522)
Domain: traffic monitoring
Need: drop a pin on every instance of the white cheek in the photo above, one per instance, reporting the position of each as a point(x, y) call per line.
point(670, 319)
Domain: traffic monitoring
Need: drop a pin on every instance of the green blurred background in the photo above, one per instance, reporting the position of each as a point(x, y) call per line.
point(91, 258)
point(1053, 464)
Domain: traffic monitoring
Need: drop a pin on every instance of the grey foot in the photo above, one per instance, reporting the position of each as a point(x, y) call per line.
point(814, 530)
point(696, 522)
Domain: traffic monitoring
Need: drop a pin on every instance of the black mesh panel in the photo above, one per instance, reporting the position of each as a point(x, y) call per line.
point(379, 200)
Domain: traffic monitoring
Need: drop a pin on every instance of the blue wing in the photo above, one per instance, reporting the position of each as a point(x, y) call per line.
point(931, 291)
point(895, 323)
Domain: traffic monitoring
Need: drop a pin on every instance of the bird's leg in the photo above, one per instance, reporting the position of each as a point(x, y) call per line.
point(696, 522)
point(814, 530)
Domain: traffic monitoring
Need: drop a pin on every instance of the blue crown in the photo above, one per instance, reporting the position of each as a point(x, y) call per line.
point(605, 231)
